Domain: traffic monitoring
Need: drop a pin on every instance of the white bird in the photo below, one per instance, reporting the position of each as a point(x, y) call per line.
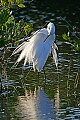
point(38, 47)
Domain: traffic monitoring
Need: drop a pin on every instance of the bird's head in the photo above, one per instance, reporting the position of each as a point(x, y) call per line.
point(51, 29)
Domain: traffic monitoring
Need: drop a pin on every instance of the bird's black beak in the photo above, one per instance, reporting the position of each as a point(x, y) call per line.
point(46, 37)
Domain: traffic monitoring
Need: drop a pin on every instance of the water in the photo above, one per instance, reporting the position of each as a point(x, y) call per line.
point(23, 98)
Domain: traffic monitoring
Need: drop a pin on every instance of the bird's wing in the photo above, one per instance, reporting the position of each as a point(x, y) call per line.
point(31, 50)
point(22, 46)
point(43, 52)
point(35, 47)
point(55, 58)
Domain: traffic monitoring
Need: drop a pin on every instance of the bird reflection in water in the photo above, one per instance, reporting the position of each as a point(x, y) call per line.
point(36, 106)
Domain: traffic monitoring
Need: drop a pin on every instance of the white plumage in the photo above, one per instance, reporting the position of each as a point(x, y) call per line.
point(36, 51)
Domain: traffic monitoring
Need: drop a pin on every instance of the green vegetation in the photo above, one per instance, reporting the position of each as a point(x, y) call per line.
point(65, 37)
point(10, 30)
point(74, 40)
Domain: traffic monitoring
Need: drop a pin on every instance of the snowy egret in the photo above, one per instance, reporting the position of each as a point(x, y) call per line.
point(38, 47)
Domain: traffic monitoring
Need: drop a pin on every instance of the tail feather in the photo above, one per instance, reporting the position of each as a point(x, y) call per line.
point(15, 65)
point(26, 59)
point(55, 46)
point(29, 54)
point(22, 55)
point(55, 58)
point(26, 50)
point(19, 48)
